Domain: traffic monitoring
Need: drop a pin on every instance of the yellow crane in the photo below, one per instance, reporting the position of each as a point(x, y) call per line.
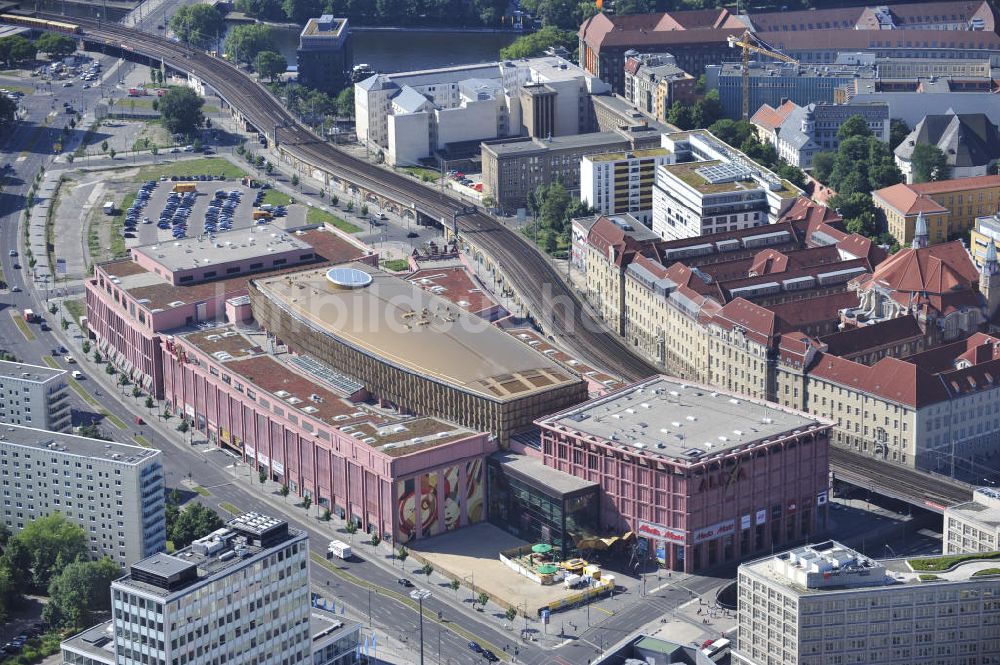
point(751, 43)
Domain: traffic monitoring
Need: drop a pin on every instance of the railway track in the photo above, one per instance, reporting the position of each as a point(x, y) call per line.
point(902, 483)
point(554, 305)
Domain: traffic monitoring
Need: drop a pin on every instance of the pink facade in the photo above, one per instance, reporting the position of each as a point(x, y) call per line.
point(724, 507)
point(314, 457)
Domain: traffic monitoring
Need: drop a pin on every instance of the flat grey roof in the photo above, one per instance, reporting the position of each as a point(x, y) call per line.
point(679, 420)
point(597, 140)
point(97, 642)
point(977, 512)
point(36, 373)
point(532, 467)
point(71, 444)
point(238, 245)
point(162, 564)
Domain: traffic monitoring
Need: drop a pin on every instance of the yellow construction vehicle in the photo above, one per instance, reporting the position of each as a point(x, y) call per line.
point(751, 43)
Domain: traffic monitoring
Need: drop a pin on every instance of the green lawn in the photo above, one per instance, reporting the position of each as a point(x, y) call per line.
point(926, 577)
point(986, 571)
point(113, 419)
point(76, 309)
point(276, 198)
point(117, 239)
point(22, 325)
point(317, 216)
point(396, 265)
point(939, 563)
point(421, 173)
point(79, 390)
point(203, 166)
point(141, 440)
point(230, 508)
point(202, 491)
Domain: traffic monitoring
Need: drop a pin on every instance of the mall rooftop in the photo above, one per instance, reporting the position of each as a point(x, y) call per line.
point(679, 420)
point(403, 325)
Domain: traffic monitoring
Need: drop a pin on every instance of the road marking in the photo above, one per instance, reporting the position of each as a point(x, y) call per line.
point(20, 158)
point(22, 325)
point(601, 609)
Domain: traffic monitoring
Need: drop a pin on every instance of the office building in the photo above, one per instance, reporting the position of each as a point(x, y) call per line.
point(325, 55)
point(113, 491)
point(240, 594)
point(705, 476)
point(621, 182)
point(320, 433)
point(412, 116)
point(985, 231)
point(414, 349)
point(193, 281)
point(513, 168)
point(802, 131)
point(970, 143)
point(34, 396)
point(949, 208)
point(711, 187)
point(942, 31)
point(653, 82)
point(973, 526)
point(826, 603)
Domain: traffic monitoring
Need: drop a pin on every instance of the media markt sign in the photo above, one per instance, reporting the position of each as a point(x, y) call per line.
point(657, 532)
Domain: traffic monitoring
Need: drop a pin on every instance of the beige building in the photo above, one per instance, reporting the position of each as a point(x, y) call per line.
point(614, 183)
point(826, 604)
point(973, 526)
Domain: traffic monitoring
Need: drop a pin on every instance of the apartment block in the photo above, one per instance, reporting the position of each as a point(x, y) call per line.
point(621, 182)
point(194, 281)
point(114, 491)
point(949, 208)
point(825, 603)
point(973, 526)
point(710, 187)
point(705, 476)
point(653, 82)
point(34, 396)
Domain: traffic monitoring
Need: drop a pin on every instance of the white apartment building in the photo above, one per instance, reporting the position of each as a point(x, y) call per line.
point(34, 396)
point(238, 596)
point(710, 187)
point(827, 604)
point(616, 183)
point(973, 526)
point(409, 116)
point(113, 490)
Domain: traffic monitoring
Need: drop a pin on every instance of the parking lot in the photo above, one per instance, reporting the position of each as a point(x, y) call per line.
point(160, 214)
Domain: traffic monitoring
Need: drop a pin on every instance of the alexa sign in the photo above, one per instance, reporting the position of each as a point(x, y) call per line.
point(657, 532)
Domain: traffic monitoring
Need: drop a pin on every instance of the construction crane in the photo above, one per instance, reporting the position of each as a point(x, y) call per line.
point(751, 43)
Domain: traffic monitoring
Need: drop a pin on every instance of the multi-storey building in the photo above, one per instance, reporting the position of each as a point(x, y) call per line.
point(112, 490)
point(239, 594)
point(34, 396)
point(413, 349)
point(412, 115)
point(710, 187)
point(193, 281)
point(325, 54)
point(805, 130)
point(973, 526)
point(653, 82)
point(513, 168)
point(310, 427)
point(949, 208)
point(826, 603)
point(941, 31)
point(621, 182)
point(707, 477)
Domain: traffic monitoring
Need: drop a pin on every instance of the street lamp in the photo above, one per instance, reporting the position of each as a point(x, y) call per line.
point(419, 595)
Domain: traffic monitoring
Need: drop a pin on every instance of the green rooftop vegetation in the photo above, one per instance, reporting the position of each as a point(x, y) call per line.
point(926, 577)
point(939, 563)
point(986, 571)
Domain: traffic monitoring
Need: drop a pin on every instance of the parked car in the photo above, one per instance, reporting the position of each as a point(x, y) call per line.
point(403, 582)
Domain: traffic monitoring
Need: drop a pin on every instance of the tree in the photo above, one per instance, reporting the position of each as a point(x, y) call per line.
point(181, 110)
point(244, 42)
point(822, 165)
point(534, 44)
point(194, 522)
point(325, 515)
point(82, 589)
point(929, 163)
point(86, 346)
point(199, 25)
point(454, 584)
point(733, 132)
point(334, 200)
point(55, 45)
point(511, 614)
point(271, 64)
point(707, 110)
point(92, 431)
point(364, 209)
point(295, 180)
point(898, 130)
point(300, 11)
point(351, 528)
point(112, 153)
point(483, 598)
point(42, 549)
point(345, 102)
point(402, 554)
point(350, 206)
point(427, 570)
point(375, 540)
point(17, 49)
point(283, 491)
point(150, 403)
point(10, 592)
point(306, 502)
point(263, 9)
point(681, 115)
point(104, 146)
point(261, 476)
point(854, 126)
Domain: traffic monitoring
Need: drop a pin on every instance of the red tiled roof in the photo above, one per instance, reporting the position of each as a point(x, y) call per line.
point(907, 200)
point(938, 269)
point(605, 234)
point(771, 118)
point(956, 184)
point(856, 340)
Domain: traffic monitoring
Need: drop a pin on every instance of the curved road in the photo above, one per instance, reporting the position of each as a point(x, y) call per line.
point(544, 293)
